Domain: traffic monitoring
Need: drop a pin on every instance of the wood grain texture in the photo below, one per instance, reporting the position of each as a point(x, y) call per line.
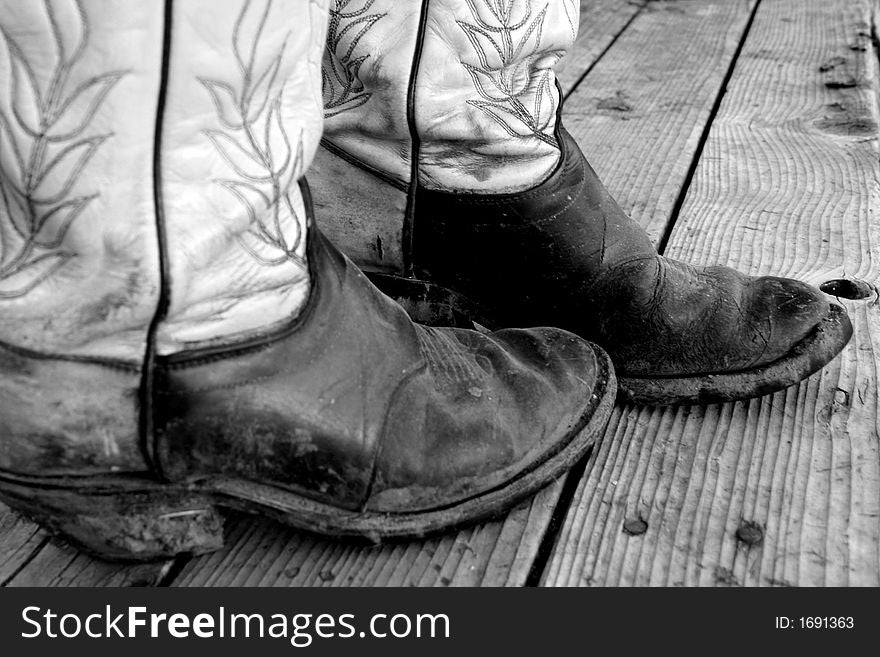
point(19, 539)
point(57, 564)
point(499, 553)
point(264, 553)
point(30, 557)
point(640, 113)
point(600, 23)
point(782, 490)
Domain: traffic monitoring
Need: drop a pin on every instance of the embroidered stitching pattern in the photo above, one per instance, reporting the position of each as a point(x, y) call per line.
point(43, 152)
point(342, 88)
point(507, 47)
point(252, 118)
point(572, 13)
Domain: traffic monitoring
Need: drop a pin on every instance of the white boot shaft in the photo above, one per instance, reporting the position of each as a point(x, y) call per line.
point(78, 251)
point(455, 95)
point(106, 157)
point(466, 85)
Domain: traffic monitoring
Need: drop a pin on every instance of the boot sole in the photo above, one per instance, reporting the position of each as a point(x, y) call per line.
point(807, 357)
point(127, 517)
point(432, 304)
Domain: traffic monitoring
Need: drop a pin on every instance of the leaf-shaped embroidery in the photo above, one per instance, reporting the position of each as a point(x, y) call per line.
point(262, 87)
point(261, 257)
point(275, 238)
point(339, 9)
point(238, 190)
point(486, 85)
point(26, 98)
point(79, 109)
point(71, 39)
point(257, 228)
point(572, 11)
point(11, 161)
point(243, 190)
point(517, 77)
point(39, 161)
point(495, 112)
point(489, 15)
point(366, 22)
point(342, 88)
point(53, 225)
point(545, 90)
point(225, 101)
point(61, 173)
point(350, 103)
point(504, 116)
point(247, 32)
point(17, 216)
point(512, 26)
point(259, 152)
point(244, 162)
point(536, 27)
point(352, 73)
point(473, 34)
point(332, 77)
point(29, 275)
point(9, 238)
point(277, 141)
point(345, 90)
point(512, 91)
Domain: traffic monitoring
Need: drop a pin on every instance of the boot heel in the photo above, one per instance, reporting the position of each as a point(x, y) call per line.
point(122, 526)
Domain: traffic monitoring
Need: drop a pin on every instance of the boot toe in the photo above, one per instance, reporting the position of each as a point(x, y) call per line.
point(788, 309)
point(483, 411)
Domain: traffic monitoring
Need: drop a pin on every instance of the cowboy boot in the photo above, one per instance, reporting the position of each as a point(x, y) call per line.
point(445, 127)
point(177, 335)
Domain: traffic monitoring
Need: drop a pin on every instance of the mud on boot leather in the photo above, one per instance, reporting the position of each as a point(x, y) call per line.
point(351, 421)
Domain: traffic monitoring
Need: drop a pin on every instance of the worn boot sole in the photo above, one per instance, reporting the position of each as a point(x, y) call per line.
point(126, 517)
point(432, 304)
point(808, 356)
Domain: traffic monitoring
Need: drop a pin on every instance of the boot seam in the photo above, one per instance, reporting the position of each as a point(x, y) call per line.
point(147, 436)
point(374, 471)
point(501, 199)
point(407, 237)
point(110, 363)
point(559, 133)
point(204, 355)
point(342, 154)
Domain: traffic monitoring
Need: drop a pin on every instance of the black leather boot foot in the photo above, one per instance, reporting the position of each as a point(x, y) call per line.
point(355, 421)
point(351, 421)
point(564, 254)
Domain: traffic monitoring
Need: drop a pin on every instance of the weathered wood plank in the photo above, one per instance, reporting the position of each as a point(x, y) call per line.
point(498, 553)
point(601, 22)
point(30, 557)
point(57, 564)
point(640, 113)
point(783, 490)
point(19, 539)
point(264, 553)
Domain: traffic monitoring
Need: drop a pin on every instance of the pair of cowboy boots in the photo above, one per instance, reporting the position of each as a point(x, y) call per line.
point(177, 335)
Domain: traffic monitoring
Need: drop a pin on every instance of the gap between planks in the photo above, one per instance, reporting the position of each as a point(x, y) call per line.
point(788, 183)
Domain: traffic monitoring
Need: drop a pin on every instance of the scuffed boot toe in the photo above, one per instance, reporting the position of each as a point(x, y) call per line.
point(355, 421)
point(788, 309)
point(485, 411)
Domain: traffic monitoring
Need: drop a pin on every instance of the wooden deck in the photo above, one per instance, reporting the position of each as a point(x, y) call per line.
point(741, 132)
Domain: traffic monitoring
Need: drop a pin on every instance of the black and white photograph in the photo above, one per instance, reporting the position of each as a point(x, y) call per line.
point(439, 294)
